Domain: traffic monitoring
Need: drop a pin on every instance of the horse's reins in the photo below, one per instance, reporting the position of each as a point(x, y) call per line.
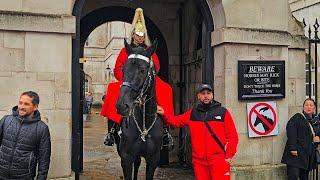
point(141, 99)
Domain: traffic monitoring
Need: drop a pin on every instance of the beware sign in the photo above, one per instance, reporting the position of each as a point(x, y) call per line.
point(262, 119)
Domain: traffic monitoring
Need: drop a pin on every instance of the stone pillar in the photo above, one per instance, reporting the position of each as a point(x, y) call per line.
point(35, 54)
point(249, 32)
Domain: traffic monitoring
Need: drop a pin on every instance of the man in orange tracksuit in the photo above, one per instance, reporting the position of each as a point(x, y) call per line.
point(214, 138)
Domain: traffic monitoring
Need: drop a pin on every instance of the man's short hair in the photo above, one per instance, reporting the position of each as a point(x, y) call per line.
point(33, 95)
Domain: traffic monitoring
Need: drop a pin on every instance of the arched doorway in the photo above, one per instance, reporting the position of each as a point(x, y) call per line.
point(87, 21)
point(100, 16)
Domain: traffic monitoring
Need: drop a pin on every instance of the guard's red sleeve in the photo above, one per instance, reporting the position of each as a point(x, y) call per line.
point(231, 135)
point(177, 121)
point(156, 61)
point(164, 96)
point(109, 110)
point(122, 59)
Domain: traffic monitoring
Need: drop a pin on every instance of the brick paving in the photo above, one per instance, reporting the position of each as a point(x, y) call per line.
point(103, 163)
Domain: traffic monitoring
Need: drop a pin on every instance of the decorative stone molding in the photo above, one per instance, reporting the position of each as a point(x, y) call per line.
point(17, 21)
point(257, 36)
point(297, 5)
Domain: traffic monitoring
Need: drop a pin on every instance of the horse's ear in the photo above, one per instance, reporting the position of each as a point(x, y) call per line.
point(155, 44)
point(152, 48)
point(127, 46)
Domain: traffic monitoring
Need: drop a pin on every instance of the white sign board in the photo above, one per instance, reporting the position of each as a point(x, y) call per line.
point(262, 119)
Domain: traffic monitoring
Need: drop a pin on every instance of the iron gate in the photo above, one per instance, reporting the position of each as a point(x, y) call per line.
point(312, 73)
point(312, 59)
point(192, 77)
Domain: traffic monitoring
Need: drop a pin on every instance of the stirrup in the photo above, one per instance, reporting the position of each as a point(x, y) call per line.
point(167, 140)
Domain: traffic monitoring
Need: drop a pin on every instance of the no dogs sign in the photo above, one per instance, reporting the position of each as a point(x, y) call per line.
point(262, 119)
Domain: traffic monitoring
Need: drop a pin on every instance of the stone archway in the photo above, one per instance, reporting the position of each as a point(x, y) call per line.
point(89, 19)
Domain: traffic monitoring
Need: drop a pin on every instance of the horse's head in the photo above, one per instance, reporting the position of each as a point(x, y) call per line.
point(257, 121)
point(138, 77)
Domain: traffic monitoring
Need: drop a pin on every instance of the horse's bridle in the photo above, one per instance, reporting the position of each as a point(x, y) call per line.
point(145, 86)
point(141, 98)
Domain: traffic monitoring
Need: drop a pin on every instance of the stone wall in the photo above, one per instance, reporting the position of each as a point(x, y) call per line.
point(35, 54)
point(62, 7)
point(26, 64)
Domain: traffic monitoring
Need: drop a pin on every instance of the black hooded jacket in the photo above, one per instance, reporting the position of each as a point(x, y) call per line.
point(299, 139)
point(24, 143)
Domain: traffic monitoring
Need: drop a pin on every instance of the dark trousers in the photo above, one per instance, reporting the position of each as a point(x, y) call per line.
point(295, 173)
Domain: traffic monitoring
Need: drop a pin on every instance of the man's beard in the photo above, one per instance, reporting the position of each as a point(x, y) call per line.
point(206, 102)
point(24, 115)
point(206, 105)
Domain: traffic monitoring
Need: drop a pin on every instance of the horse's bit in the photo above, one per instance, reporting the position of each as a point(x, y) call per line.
point(141, 99)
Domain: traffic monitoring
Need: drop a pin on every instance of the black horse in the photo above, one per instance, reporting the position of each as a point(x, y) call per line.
point(141, 128)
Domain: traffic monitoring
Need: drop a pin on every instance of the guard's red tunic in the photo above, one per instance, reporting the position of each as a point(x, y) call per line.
point(109, 109)
point(164, 95)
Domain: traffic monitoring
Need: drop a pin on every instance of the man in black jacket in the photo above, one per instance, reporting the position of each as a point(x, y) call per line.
point(24, 141)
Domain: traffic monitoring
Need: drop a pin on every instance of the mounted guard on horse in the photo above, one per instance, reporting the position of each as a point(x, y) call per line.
point(164, 95)
point(163, 91)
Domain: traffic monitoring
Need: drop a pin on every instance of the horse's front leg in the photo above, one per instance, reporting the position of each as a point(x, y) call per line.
point(137, 163)
point(151, 165)
point(127, 166)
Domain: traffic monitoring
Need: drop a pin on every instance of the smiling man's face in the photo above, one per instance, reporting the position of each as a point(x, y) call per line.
point(26, 107)
point(205, 96)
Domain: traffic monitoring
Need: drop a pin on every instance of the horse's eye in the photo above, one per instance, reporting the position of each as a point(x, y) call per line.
point(143, 71)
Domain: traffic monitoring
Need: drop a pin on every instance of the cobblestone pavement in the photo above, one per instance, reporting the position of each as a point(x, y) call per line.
point(103, 163)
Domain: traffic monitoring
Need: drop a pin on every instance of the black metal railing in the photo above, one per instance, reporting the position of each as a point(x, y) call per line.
point(313, 47)
point(312, 56)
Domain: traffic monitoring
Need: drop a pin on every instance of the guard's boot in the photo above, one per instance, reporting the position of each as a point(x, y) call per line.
point(167, 140)
point(109, 139)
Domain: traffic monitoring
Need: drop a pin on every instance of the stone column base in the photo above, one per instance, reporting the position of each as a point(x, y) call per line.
point(260, 172)
point(72, 177)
